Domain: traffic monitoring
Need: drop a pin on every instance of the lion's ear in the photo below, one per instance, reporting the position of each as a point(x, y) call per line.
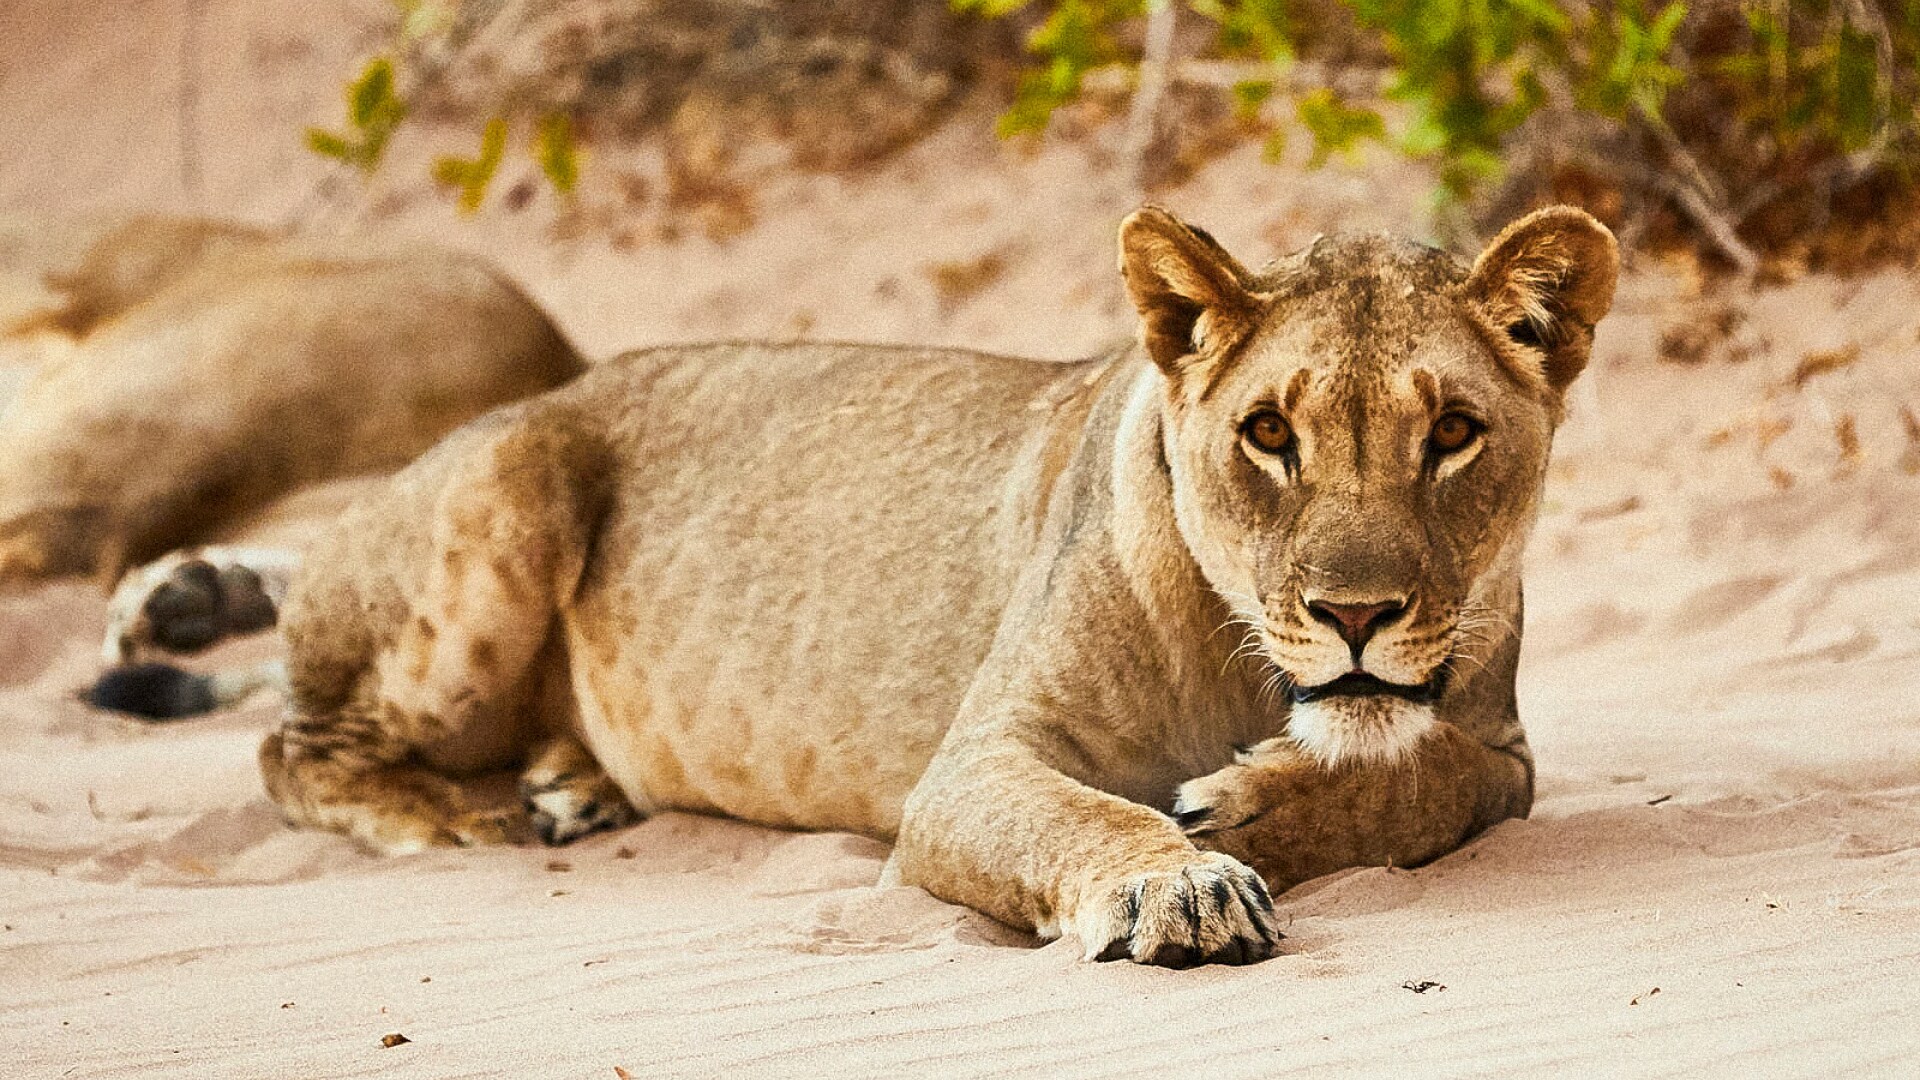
point(1192, 295)
point(1544, 282)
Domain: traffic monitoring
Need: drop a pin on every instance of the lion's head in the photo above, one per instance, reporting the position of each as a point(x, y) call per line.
point(1358, 435)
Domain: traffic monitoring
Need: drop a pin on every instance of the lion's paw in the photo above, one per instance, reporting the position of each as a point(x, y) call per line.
point(183, 604)
point(565, 807)
point(1212, 911)
point(422, 829)
point(1235, 795)
point(476, 828)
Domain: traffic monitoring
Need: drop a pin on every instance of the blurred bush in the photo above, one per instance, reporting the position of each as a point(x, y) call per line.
point(718, 82)
point(1768, 131)
point(1772, 134)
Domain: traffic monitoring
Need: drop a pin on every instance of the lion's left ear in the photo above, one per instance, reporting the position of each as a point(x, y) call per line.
point(1544, 283)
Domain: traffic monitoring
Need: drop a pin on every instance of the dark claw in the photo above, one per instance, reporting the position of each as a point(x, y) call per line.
point(1190, 904)
point(1187, 819)
point(1262, 897)
point(1269, 939)
point(547, 828)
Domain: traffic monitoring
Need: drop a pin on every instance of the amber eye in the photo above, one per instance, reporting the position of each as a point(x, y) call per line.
point(1452, 433)
point(1268, 431)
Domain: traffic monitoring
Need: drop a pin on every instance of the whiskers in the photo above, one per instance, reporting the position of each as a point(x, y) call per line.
point(1275, 682)
point(1478, 633)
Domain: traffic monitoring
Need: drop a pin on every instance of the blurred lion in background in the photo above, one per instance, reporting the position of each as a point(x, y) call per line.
point(214, 368)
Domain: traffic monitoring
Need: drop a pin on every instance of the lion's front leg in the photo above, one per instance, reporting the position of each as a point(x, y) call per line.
point(993, 826)
point(1291, 818)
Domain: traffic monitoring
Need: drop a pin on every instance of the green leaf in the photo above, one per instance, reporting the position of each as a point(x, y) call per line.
point(451, 171)
point(1336, 126)
point(493, 144)
point(472, 175)
point(553, 148)
point(1856, 93)
point(1257, 28)
point(327, 144)
point(1249, 95)
point(988, 9)
point(1667, 24)
point(371, 95)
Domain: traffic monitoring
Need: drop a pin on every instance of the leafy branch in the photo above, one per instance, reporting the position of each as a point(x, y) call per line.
point(470, 176)
point(373, 112)
point(376, 108)
point(1794, 89)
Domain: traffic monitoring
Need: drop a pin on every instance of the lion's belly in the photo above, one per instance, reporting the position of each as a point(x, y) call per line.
point(790, 759)
point(780, 617)
point(812, 703)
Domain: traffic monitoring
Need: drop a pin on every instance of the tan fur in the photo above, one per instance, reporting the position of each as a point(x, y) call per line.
point(997, 611)
point(248, 377)
point(134, 262)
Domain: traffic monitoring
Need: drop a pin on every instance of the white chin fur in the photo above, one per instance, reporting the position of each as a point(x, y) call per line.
point(1367, 730)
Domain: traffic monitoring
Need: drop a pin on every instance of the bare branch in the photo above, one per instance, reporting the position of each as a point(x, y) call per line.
point(1711, 222)
point(188, 102)
point(1143, 117)
point(1701, 197)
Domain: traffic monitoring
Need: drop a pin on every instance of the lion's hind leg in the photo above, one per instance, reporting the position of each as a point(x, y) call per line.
point(185, 602)
point(456, 669)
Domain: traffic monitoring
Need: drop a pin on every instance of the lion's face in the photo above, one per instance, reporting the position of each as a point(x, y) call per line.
point(1357, 438)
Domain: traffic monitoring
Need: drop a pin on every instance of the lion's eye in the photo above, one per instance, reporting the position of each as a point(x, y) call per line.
point(1452, 432)
point(1268, 431)
point(1526, 334)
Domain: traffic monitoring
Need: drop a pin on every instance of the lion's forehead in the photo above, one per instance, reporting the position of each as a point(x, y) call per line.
point(1387, 262)
point(1366, 303)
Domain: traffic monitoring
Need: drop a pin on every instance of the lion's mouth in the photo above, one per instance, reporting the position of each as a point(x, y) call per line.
point(1361, 684)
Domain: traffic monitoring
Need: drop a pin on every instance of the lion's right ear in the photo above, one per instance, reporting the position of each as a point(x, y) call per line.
point(1192, 296)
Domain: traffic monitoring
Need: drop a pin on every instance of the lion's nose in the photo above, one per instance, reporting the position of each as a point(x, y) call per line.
point(1356, 623)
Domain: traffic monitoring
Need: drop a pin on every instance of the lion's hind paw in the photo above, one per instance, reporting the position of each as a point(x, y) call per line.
point(566, 806)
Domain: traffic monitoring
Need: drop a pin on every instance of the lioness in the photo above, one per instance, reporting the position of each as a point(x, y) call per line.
point(993, 610)
point(253, 373)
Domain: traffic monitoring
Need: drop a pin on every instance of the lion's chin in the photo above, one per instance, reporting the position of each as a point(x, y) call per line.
point(1370, 730)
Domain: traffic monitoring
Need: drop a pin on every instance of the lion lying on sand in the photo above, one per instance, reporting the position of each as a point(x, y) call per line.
point(217, 370)
point(1015, 617)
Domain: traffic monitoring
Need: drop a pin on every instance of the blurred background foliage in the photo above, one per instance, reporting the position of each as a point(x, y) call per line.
point(1770, 135)
point(1764, 131)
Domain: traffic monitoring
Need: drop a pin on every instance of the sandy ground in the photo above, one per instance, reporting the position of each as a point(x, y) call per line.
point(1720, 673)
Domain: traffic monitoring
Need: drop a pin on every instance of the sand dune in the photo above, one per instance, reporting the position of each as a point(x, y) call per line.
point(1720, 682)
